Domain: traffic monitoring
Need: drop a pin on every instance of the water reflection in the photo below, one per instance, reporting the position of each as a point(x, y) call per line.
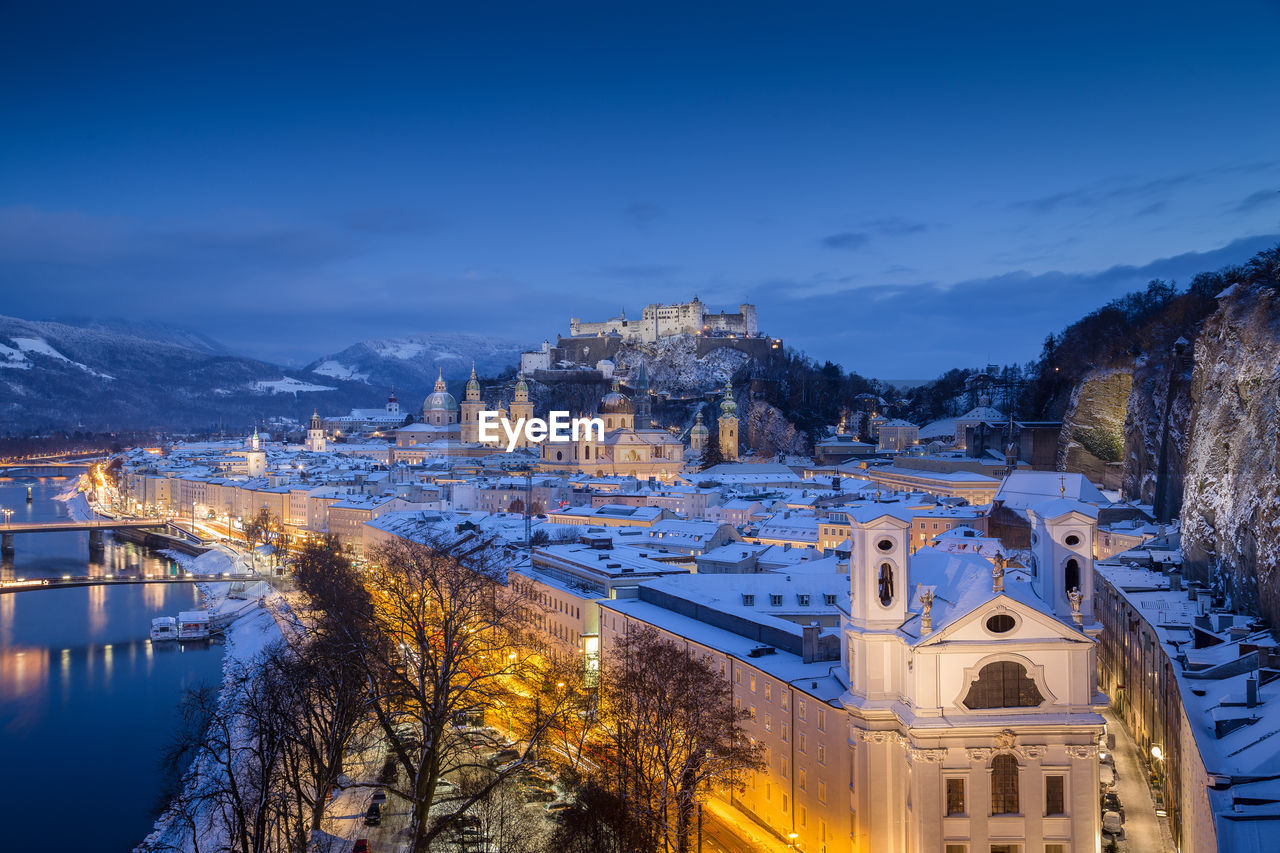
point(82, 687)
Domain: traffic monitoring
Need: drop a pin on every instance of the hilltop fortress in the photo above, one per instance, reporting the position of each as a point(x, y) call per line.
point(665, 321)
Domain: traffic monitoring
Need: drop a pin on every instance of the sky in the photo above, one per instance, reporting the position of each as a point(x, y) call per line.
point(900, 188)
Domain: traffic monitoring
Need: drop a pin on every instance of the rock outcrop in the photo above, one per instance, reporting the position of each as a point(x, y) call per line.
point(1093, 426)
point(1231, 507)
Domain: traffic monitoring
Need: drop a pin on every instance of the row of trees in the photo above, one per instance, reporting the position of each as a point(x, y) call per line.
point(396, 662)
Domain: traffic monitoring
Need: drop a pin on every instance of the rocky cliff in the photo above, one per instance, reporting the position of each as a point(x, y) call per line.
point(1231, 505)
point(1093, 426)
point(1157, 429)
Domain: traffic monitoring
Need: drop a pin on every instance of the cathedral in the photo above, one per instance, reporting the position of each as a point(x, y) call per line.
point(625, 451)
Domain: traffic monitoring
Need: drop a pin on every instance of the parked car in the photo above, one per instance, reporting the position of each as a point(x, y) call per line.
point(361, 846)
point(466, 824)
point(379, 798)
point(539, 795)
point(1111, 803)
point(1112, 824)
point(1107, 775)
point(373, 816)
point(502, 756)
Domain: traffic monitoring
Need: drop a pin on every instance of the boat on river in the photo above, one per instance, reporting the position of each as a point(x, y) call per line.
point(163, 629)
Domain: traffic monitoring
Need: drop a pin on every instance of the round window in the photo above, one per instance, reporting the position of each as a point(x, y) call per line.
point(1072, 539)
point(885, 544)
point(1000, 623)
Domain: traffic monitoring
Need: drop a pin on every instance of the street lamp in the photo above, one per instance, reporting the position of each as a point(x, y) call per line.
point(791, 840)
point(1157, 753)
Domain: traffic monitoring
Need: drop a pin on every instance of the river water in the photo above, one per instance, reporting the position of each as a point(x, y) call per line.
point(87, 703)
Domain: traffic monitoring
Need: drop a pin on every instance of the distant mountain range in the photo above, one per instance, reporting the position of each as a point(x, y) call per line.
point(122, 375)
point(415, 362)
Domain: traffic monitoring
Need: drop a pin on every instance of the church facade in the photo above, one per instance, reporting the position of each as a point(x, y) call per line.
point(624, 450)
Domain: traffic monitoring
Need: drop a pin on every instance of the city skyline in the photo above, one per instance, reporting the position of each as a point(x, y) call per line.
point(972, 181)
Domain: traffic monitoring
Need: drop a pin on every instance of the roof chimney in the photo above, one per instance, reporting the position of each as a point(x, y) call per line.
point(1251, 691)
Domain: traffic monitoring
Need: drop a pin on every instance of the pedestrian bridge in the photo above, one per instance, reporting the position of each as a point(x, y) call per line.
point(68, 581)
point(96, 528)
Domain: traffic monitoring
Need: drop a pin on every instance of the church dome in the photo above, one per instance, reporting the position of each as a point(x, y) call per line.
point(473, 384)
point(699, 428)
point(440, 400)
point(616, 403)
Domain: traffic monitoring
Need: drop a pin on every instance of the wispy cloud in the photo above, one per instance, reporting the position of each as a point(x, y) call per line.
point(846, 240)
point(1254, 201)
point(1147, 191)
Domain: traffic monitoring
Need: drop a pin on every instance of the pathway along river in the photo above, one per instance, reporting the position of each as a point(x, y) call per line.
point(87, 703)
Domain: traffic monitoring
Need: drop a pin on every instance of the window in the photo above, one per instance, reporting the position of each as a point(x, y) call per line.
point(822, 720)
point(830, 599)
point(800, 743)
point(782, 698)
point(782, 767)
point(956, 848)
point(768, 691)
point(822, 754)
point(768, 722)
point(1053, 799)
point(748, 600)
point(955, 796)
point(885, 545)
point(803, 600)
point(752, 712)
point(801, 708)
point(885, 583)
point(1003, 684)
point(802, 780)
point(1055, 848)
point(737, 676)
point(1071, 576)
point(784, 732)
point(775, 600)
point(753, 684)
point(1000, 623)
point(1072, 540)
point(822, 791)
point(1004, 784)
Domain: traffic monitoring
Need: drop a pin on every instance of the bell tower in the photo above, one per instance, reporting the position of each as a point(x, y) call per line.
point(878, 572)
point(1062, 547)
point(729, 424)
point(471, 407)
point(315, 434)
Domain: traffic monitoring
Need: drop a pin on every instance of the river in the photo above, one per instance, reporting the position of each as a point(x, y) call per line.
point(87, 703)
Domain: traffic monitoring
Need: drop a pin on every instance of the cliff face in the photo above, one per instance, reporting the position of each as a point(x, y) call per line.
point(1093, 426)
point(1157, 429)
point(1231, 507)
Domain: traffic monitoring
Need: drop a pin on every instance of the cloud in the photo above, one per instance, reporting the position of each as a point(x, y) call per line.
point(895, 226)
point(846, 240)
point(1257, 200)
point(1153, 208)
point(641, 214)
point(1128, 188)
point(922, 329)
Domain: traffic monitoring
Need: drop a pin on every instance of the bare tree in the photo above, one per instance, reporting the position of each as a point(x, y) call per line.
point(256, 529)
point(672, 733)
point(439, 636)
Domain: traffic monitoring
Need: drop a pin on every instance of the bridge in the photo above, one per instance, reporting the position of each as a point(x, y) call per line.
point(46, 467)
point(96, 528)
point(69, 581)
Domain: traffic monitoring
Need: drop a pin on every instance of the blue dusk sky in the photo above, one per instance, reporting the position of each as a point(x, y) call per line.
point(900, 187)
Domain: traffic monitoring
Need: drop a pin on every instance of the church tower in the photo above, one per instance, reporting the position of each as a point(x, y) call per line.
point(520, 406)
point(1062, 547)
point(643, 405)
point(729, 425)
point(315, 434)
point(393, 403)
point(698, 435)
point(256, 457)
point(471, 408)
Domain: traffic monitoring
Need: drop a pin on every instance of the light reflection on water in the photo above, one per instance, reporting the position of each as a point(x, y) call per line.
point(86, 701)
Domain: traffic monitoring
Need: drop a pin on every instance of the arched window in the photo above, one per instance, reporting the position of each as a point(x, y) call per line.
point(1004, 784)
point(1071, 577)
point(885, 582)
point(1003, 684)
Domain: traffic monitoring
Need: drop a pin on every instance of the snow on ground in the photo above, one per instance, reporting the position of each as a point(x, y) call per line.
point(218, 560)
point(287, 385)
point(41, 347)
point(256, 615)
point(15, 358)
point(338, 370)
point(76, 503)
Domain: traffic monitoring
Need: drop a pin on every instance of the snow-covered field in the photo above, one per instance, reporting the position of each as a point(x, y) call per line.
point(337, 370)
point(287, 385)
point(17, 358)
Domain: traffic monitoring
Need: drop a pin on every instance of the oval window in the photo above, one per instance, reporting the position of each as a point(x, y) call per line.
point(1072, 539)
point(1000, 623)
point(885, 544)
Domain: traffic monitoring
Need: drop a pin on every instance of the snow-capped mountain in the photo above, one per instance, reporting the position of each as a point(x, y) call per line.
point(107, 376)
point(411, 364)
